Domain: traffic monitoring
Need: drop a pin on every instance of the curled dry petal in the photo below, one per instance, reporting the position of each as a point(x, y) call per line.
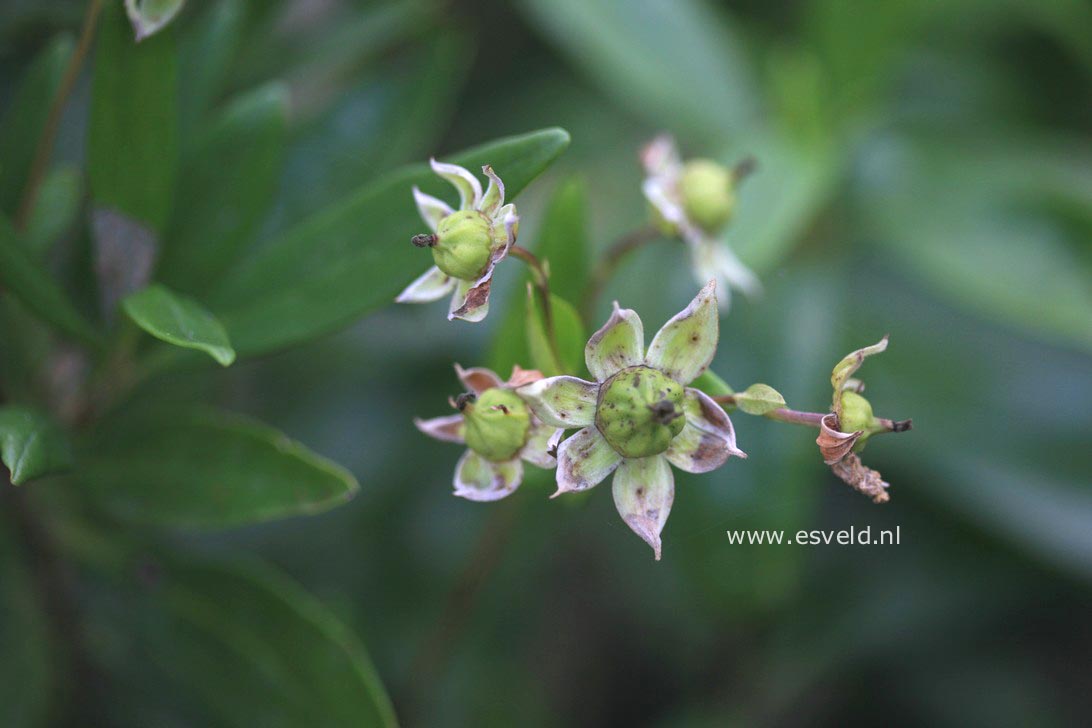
point(861, 478)
point(562, 401)
point(508, 217)
point(541, 447)
point(583, 461)
point(449, 429)
point(432, 286)
point(478, 479)
point(707, 440)
point(619, 344)
point(471, 299)
point(521, 376)
point(470, 189)
point(848, 366)
point(477, 379)
point(685, 346)
point(833, 443)
point(431, 209)
point(493, 199)
point(644, 490)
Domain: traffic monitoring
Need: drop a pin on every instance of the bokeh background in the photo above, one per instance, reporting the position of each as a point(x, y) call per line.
point(923, 170)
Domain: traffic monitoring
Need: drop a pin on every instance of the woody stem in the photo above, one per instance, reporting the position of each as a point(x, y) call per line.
point(542, 284)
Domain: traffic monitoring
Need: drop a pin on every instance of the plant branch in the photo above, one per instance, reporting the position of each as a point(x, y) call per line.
point(44, 150)
point(609, 263)
point(813, 419)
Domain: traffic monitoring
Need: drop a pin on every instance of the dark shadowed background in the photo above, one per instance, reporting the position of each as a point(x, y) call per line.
point(924, 170)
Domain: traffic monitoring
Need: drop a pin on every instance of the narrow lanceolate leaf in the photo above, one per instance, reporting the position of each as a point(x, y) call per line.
point(21, 275)
point(569, 332)
point(224, 188)
point(54, 210)
point(759, 399)
point(179, 320)
point(563, 239)
point(290, 662)
point(26, 681)
point(26, 115)
point(355, 255)
point(205, 469)
point(132, 138)
point(31, 445)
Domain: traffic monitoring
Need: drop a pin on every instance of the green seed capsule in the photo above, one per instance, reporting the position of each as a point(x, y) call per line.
point(464, 242)
point(497, 424)
point(856, 413)
point(707, 194)
point(640, 411)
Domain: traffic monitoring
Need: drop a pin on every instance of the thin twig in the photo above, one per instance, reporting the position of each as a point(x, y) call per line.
point(813, 419)
point(43, 152)
point(609, 263)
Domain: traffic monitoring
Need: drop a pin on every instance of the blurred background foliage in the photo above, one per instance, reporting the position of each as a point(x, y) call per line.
point(923, 170)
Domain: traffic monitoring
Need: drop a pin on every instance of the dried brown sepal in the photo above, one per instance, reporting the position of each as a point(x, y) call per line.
point(861, 478)
point(833, 443)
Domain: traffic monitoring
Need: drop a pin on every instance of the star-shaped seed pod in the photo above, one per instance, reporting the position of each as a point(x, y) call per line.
point(843, 432)
point(695, 200)
point(499, 431)
point(466, 243)
point(638, 417)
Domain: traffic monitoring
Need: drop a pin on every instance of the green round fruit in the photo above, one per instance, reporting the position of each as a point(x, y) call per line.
point(707, 194)
point(640, 411)
point(497, 424)
point(856, 413)
point(464, 242)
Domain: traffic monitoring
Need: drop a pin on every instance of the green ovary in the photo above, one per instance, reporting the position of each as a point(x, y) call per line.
point(640, 411)
point(497, 424)
point(856, 413)
point(707, 195)
point(464, 242)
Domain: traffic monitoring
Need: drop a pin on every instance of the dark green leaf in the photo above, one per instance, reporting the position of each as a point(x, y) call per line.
point(202, 468)
point(179, 320)
point(25, 117)
point(289, 661)
point(204, 53)
point(759, 399)
point(31, 445)
point(224, 188)
point(23, 277)
point(569, 357)
point(132, 143)
point(563, 240)
point(25, 680)
point(355, 255)
point(55, 209)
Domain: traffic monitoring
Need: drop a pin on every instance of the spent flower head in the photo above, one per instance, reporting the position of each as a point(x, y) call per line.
point(844, 432)
point(638, 416)
point(466, 243)
point(499, 431)
point(694, 200)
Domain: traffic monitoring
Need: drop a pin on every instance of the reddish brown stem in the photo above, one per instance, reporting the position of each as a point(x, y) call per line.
point(609, 263)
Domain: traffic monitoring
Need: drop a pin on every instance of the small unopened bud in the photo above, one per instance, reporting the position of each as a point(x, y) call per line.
point(497, 425)
point(708, 194)
point(856, 414)
point(639, 412)
point(463, 244)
